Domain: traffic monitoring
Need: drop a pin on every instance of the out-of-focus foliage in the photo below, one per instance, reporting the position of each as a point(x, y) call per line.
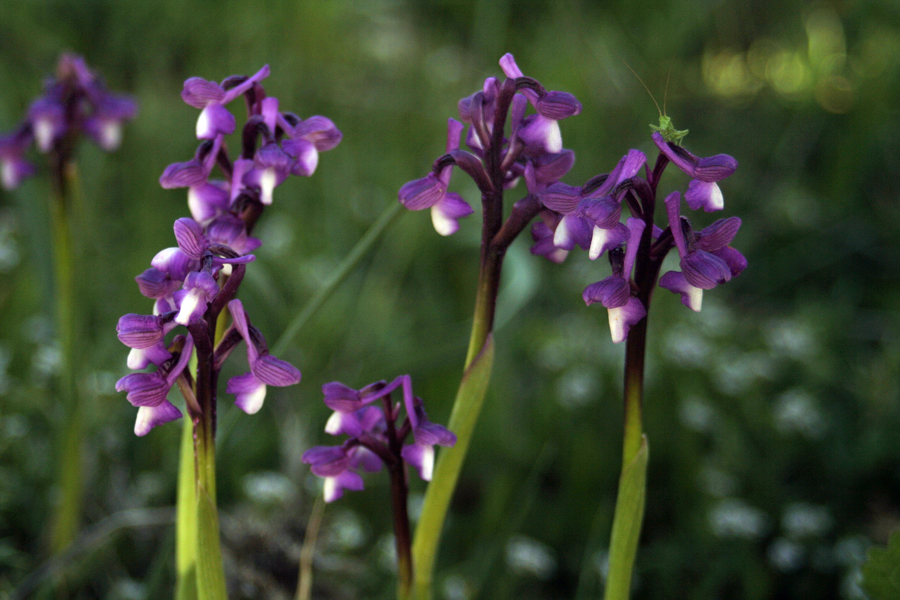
point(772, 415)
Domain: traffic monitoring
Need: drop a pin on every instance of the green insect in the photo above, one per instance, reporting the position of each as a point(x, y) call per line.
point(665, 128)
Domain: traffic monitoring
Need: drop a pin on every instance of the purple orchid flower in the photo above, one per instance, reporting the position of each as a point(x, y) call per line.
point(13, 167)
point(447, 208)
point(706, 258)
point(541, 130)
point(703, 189)
point(614, 292)
point(211, 98)
point(148, 391)
point(250, 388)
point(374, 435)
point(74, 102)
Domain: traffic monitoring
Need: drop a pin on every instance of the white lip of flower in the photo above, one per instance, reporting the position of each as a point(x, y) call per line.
point(617, 324)
point(253, 401)
point(553, 141)
point(8, 175)
point(598, 240)
point(330, 491)
point(427, 462)
point(203, 126)
point(188, 304)
point(43, 134)
point(266, 184)
point(695, 297)
point(333, 425)
point(110, 135)
point(136, 358)
point(443, 224)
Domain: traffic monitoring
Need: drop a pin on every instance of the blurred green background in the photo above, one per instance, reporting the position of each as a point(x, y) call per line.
point(772, 415)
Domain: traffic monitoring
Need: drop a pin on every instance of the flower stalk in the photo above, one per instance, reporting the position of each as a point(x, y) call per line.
point(505, 146)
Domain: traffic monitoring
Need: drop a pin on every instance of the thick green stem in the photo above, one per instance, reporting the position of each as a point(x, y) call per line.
point(186, 520)
point(629, 512)
point(67, 514)
point(466, 409)
point(210, 571)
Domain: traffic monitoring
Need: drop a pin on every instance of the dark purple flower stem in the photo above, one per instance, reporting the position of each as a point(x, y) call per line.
point(399, 500)
point(493, 247)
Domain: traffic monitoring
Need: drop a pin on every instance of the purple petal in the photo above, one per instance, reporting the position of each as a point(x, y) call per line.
point(363, 458)
point(691, 296)
point(328, 460)
point(139, 331)
point(715, 168)
point(428, 433)
point(250, 392)
point(572, 230)
point(141, 358)
point(558, 105)
point(190, 238)
point(705, 194)
point(183, 174)
point(208, 200)
point(719, 234)
point(561, 197)
point(214, 120)
point(341, 398)
point(611, 292)
point(305, 154)
point(540, 132)
point(144, 389)
point(335, 486)
point(422, 193)
point(552, 167)
point(421, 457)
point(320, 131)
point(173, 262)
point(622, 318)
point(445, 214)
point(734, 259)
point(543, 237)
point(149, 417)
point(343, 423)
point(602, 212)
point(273, 371)
point(199, 92)
point(683, 159)
point(705, 270)
point(607, 239)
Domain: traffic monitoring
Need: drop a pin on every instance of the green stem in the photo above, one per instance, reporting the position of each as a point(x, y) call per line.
point(629, 511)
point(67, 514)
point(186, 521)
point(210, 571)
point(466, 409)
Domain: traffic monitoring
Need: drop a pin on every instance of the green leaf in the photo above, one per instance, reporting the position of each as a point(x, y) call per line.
point(881, 573)
point(626, 530)
point(466, 408)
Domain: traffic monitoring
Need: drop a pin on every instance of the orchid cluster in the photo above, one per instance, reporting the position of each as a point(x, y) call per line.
point(194, 281)
point(375, 437)
point(506, 145)
point(274, 145)
point(533, 150)
point(590, 217)
point(75, 102)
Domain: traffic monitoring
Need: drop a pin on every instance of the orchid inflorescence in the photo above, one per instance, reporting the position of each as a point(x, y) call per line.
point(74, 102)
point(589, 216)
point(375, 435)
point(194, 281)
